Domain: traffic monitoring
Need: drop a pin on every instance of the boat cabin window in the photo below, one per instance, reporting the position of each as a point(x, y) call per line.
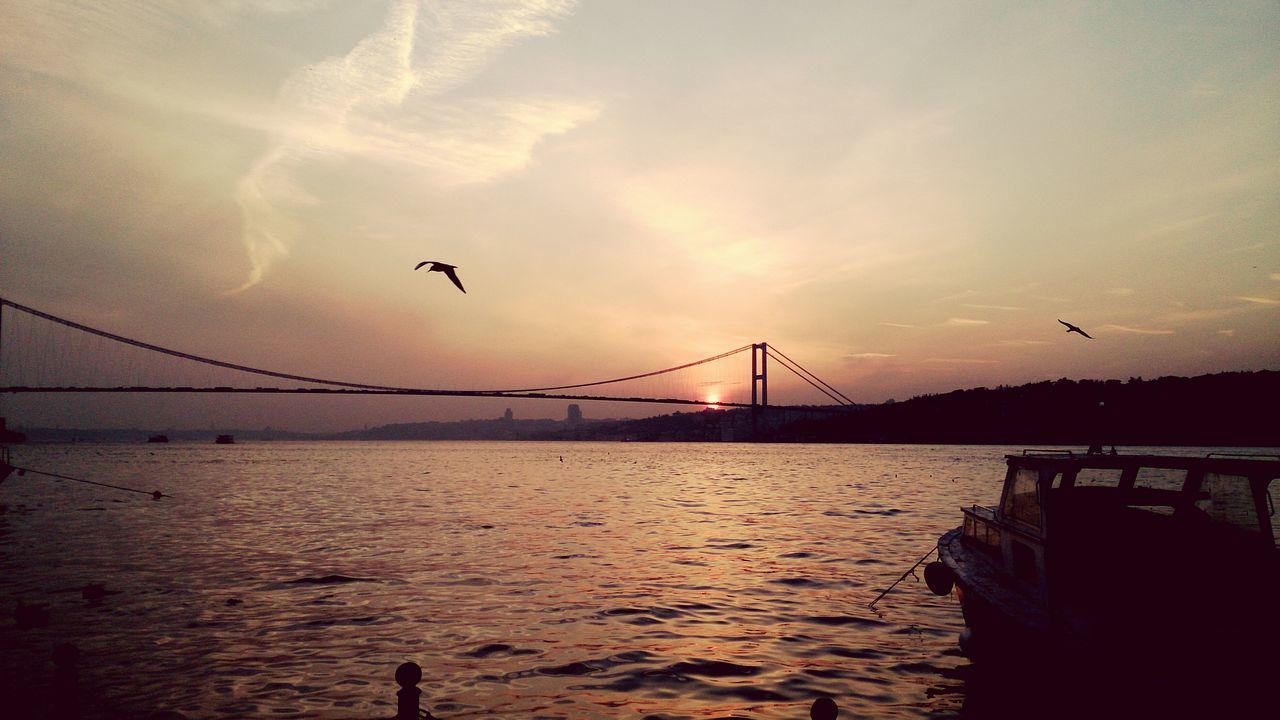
point(1098, 477)
point(1230, 501)
point(1022, 497)
point(1169, 480)
point(1161, 478)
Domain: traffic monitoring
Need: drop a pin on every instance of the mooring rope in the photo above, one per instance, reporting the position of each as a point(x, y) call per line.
point(155, 494)
point(910, 571)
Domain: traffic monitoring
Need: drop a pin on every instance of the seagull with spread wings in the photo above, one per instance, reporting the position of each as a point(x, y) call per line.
point(449, 270)
point(1073, 328)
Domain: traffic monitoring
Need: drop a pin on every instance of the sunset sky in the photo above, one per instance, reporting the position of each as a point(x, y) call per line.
point(903, 197)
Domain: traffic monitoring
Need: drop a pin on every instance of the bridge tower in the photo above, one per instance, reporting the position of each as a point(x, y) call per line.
point(759, 385)
point(759, 375)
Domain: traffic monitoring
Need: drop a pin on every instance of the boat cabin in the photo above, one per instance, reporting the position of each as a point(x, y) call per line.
point(1064, 517)
point(1145, 578)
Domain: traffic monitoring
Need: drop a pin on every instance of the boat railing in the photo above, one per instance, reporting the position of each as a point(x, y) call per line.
point(981, 525)
point(1273, 456)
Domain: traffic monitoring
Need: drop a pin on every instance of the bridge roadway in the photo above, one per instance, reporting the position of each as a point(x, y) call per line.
point(359, 391)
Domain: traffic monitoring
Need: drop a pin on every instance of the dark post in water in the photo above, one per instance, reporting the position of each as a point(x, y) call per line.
point(408, 675)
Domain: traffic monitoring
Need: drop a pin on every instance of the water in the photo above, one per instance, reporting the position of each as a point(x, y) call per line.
point(530, 580)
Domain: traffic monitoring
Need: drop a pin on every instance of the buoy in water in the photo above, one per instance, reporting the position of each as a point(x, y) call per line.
point(939, 578)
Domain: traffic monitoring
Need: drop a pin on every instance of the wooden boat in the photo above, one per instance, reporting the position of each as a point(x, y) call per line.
point(1154, 571)
point(225, 440)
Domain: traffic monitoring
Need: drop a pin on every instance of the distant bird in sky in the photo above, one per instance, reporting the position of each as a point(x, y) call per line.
point(1070, 328)
point(444, 268)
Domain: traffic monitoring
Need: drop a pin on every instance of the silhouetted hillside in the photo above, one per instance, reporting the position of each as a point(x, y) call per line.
point(1221, 409)
point(1225, 409)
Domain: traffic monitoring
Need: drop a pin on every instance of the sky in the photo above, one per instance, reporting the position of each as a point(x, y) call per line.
point(902, 197)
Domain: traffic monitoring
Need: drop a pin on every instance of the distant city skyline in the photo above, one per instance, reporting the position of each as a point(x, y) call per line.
point(904, 197)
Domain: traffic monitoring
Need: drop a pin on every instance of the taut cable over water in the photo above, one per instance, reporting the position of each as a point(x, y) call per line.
point(910, 571)
point(155, 494)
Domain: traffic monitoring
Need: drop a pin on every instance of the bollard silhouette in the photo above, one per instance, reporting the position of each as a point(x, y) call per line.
point(66, 682)
point(408, 675)
point(824, 708)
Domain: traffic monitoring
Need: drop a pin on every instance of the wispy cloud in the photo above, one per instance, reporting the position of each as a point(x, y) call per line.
point(1022, 289)
point(705, 229)
point(868, 356)
point(116, 48)
point(965, 322)
point(266, 229)
point(1176, 226)
point(56, 39)
point(1204, 90)
point(380, 102)
point(1120, 292)
point(1135, 331)
point(960, 361)
point(897, 325)
point(1021, 343)
point(958, 296)
point(1204, 314)
point(1251, 304)
point(1227, 332)
point(976, 306)
point(999, 293)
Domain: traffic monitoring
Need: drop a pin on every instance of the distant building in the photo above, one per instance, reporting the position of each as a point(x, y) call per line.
point(507, 415)
point(575, 415)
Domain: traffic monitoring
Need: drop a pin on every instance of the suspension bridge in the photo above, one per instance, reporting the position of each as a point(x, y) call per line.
point(43, 353)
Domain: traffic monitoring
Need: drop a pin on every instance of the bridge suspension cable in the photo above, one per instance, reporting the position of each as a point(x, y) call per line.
point(721, 356)
point(362, 388)
point(188, 356)
point(823, 386)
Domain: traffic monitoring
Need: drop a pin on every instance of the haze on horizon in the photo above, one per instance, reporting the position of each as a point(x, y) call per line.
point(904, 197)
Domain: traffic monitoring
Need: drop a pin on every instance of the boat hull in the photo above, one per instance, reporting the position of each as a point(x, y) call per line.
point(1000, 622)
point(1138, 658)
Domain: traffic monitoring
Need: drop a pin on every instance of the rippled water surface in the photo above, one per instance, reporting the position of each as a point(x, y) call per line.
point(529, 580)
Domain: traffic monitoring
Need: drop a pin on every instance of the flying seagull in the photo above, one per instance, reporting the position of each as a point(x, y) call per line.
point(444, 268)
point(1070, 328)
